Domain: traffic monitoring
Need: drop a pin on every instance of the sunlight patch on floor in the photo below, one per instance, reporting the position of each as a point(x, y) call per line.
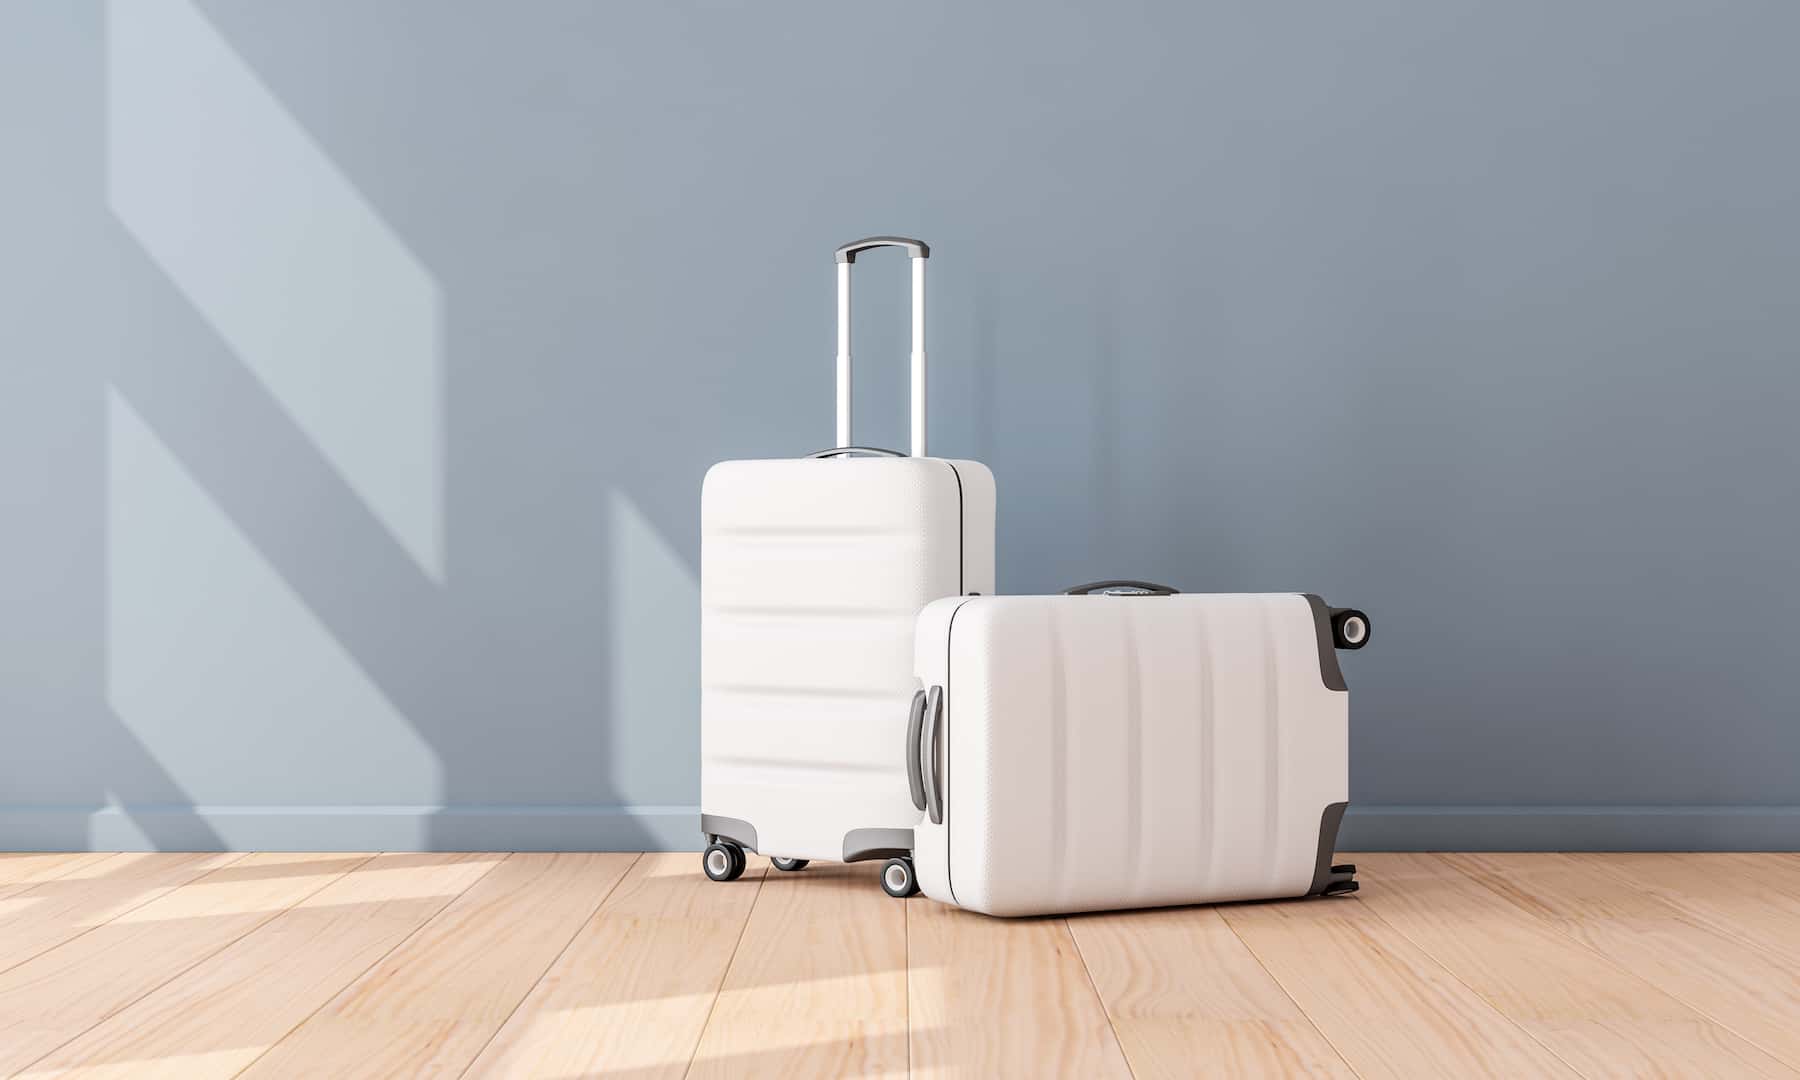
point(172, 1067)
point(618, 1026)
point(392, 878)
point(14, 906)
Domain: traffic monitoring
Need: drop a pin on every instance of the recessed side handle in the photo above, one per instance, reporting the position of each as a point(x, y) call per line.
point(1123, 587)
point(928, 754)
point(915, 723)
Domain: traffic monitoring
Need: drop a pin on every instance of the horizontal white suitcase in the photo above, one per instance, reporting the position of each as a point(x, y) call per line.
point(812, 574)
point(1127, 746)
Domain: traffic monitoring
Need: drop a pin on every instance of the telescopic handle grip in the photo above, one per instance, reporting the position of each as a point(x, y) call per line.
point(918, 249)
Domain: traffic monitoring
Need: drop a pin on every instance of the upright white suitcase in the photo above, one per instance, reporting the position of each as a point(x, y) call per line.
point(812, 574)
point(1127, 746)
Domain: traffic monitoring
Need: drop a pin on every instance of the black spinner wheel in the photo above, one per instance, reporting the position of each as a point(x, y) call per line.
point(1349, 628)
point(898, 879)
point(723, 860)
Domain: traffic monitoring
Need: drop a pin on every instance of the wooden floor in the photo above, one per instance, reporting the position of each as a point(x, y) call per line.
point(621, 965)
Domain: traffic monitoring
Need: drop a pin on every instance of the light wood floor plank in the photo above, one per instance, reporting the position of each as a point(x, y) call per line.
point(218, 1016)
point(59, 994)
point(1003, 997)
point(1187, 998)
point(817, 986)
point(1600, 1018)
point(631, 993)
point(31, 867)
point(1753, 896)
point(1386, 1006)
point(1737, 984)
point(1461, 965)
point(43, 916)
point(432, 1004)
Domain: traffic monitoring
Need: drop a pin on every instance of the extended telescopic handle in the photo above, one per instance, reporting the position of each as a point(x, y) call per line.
point(919, 251)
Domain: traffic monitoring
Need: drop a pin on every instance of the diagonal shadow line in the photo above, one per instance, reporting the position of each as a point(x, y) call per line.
point(113, 869)
point(398, 625)
point(369, 593)
point(150, 894)
point(267, 916)
point(187, 832)
point(415, 904)
point(282, 253)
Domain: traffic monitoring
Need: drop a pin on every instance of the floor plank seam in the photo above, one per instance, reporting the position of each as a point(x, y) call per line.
point(1105, 1009)
point(1708, 1014)
point(329, 998)
point(1289, 994)
point(121, 913)
point(549, 967)
point(76, 864)
point(906, 953)
point(198, 960)
point(725, 974)
point(10, 889)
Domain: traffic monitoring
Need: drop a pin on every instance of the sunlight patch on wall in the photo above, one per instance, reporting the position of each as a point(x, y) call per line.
point(217, 666)
point(655, 607)
point(279, 252)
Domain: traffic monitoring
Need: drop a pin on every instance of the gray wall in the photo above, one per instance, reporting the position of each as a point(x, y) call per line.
point(359, 364)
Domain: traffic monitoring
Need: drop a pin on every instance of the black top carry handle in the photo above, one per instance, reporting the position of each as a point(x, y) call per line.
point(855, 451)
point(1121, 588)
point(917, 249)
point(1342, 628)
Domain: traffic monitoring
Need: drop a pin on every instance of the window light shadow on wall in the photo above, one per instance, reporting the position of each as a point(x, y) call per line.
point(284, 257)
point(204, 636)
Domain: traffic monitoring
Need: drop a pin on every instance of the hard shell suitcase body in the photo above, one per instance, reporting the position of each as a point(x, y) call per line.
point(1095, 751)
point(813, 572)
